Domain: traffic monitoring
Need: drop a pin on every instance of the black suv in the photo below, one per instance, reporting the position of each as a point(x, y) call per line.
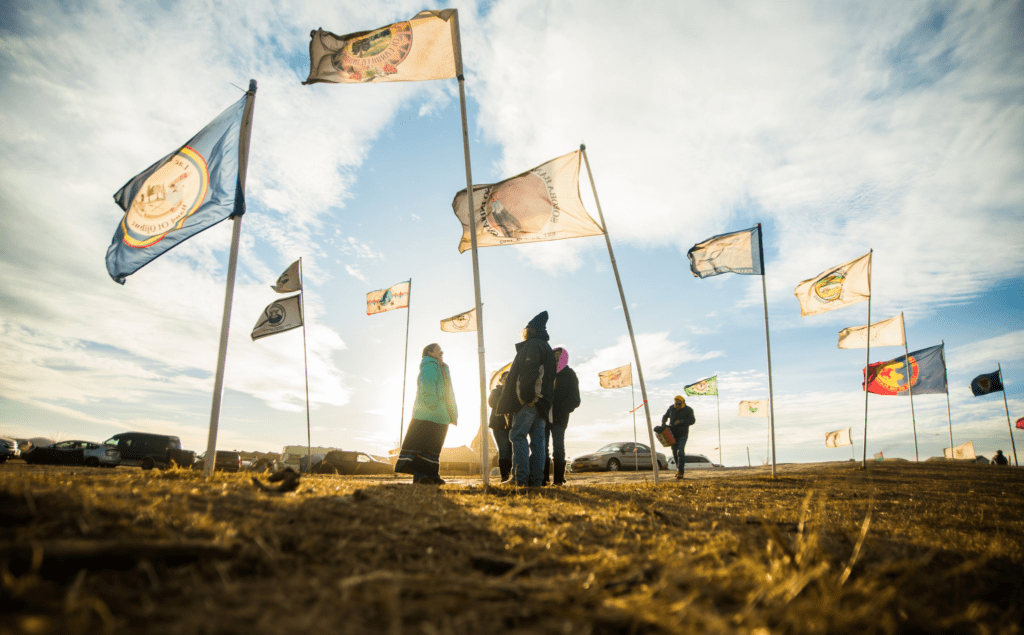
point(150, 450)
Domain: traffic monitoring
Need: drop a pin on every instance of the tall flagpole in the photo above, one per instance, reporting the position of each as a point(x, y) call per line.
point(305, 366)
point(1007, 406)
point(625, 310)
point(632, 392)
point(484, 450)
point(949, 417)
point(768, 348)
point(236, 232)
point(405, 366)
point(910, 387)
point(718, 406)
point(867, 366)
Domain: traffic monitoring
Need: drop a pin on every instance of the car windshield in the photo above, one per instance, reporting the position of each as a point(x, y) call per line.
point(611, 447)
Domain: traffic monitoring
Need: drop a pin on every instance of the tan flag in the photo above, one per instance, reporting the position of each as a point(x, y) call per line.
point(838, 438)
point(288, 282)
point(541, 204)
point(461, 323)
point(617, 377)
point(757, 408)
point(836, 288)
point(279, 316)
point(961, 452)
point(410, 51)
point(394, 297)
point(885, 333)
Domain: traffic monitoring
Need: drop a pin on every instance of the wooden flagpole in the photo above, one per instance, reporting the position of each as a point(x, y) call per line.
point(768, 348)
point(305, 366)
point(867, 367)
point(405, 368)
point(1009, 427)
point(625, 311)
point(632, 392)
point(484, 450)
point(910, 387)
point(236, 232)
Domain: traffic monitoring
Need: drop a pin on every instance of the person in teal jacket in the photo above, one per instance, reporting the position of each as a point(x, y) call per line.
point(432, 412)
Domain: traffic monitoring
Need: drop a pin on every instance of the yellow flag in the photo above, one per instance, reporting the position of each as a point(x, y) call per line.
point(617, 377)
point(841, 286)
point(410, 51)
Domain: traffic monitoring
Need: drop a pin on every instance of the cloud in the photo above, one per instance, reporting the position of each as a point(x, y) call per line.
point(658, 353)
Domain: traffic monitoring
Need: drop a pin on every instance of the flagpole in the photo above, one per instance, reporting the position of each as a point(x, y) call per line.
point(867, 367)
point(718, 406)
point(625, 311)
point(484, 450)
point(305, 365)
point(236, 232)
point(768, 348)
point(945, 378)
point(1007, 406)
point(632, 392)
point(405, 366)
point(910, 387)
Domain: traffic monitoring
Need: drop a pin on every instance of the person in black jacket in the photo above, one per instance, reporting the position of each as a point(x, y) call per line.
point(565, 399)
point(679, 417)
point(499, 424)
point(526, 397)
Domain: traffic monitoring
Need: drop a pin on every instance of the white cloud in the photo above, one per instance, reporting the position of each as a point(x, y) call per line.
point(658, 354)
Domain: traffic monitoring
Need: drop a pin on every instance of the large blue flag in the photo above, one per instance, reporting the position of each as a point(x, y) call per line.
point(738, 252)
point(984, 384)
point(925, 374)
point(187, 191)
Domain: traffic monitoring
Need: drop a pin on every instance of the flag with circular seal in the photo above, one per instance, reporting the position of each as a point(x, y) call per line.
point(617, 377)
point(757, 408)
point(840, 286)
point(461, 323)
point(279, 316)
point(707, 386)
point(394, 297)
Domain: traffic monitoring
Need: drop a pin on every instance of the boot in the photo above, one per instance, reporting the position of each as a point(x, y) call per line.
point(547, 473)
point(505, 467)
point(559, 477)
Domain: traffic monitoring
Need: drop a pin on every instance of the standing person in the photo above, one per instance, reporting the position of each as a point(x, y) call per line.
point(679, 417)
point(432, 411)
point(565, 399)
point(499, 424)
point(999, 459)
point(527, 398)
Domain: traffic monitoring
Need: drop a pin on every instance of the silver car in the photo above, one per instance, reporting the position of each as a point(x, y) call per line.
point(613, 457)
point(73, 453)
point(8, 449)
point(694, 461)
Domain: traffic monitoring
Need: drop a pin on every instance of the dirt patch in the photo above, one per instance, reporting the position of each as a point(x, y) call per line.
point(896, 548)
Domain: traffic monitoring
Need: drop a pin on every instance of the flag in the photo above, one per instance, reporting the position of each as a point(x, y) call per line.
point(1020, 423)
point(754, 408)
point(707, 386)
point(885, 333)
point(538, 205)
point(461, 323)
point(288, 282)
point(738, 252)
point(984, 384)
point(187, 191)
point(961, 452)
point(617, 377)
point(410, 51)
point(279, 316)
point(926, 374)
point(838, 438)
point(394, 297)
point(496, 375)
point(879, 456)
point(836, 288)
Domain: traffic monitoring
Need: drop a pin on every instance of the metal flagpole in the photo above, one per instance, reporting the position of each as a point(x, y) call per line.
point(910, 387)
point(867, 367)
point(484, 449)
point(949, 417)
point(305, 365)
point(718, 405)
point(632, 391)
point(236, 232)
point(768, 348)
point(405, 367)
point(625, 310)
point(1007, 406)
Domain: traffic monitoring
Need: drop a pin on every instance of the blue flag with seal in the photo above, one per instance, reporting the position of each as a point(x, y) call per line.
point(987, 383)
point(187, 191)
point(925, 374)
point(738, 252)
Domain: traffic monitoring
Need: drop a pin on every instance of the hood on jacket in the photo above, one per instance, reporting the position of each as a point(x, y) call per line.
point(561, 359)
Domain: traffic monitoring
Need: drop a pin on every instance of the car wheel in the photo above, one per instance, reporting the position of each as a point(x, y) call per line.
point(92, 461)
point(613, 465)
point(147, 464)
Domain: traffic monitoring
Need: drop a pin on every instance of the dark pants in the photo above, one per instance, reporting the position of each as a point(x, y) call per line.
point(679, 453)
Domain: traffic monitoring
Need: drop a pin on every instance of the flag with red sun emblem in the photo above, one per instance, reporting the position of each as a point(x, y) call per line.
point(924, 374)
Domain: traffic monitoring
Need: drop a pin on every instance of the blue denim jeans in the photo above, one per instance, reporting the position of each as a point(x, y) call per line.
point(679, 453)
point(504, 447)
point(527, 457)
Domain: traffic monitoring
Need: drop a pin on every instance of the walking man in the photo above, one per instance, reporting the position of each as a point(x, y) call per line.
point(679, 418)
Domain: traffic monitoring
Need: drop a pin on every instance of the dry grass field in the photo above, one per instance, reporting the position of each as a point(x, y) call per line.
point(827, 548)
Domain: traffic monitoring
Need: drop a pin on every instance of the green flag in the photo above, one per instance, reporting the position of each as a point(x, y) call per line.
point(707, 386)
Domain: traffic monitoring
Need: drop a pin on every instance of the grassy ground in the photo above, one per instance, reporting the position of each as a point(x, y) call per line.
point(896, 548)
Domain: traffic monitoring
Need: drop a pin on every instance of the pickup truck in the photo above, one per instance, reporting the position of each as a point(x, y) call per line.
point(151, 450)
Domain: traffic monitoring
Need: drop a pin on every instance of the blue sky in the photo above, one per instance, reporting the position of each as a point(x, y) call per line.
point(898, 128)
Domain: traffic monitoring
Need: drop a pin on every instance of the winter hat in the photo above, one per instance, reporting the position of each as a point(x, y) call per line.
point(562, 358)
point(539, 322)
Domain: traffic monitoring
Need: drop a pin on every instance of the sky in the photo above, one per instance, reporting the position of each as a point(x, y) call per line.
point(892, 127)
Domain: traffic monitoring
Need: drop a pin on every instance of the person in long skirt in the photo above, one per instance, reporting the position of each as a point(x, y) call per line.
point(432, 412)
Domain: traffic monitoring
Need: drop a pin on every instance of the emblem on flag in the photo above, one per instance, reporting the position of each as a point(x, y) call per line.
point(924, 372)
point(617, 377)
point(987, 383)
point(394, 297)
point(707, 386)
point(288, 282)
point(838, 438)
point(884, 333)
point(963, 452)
point(738, 252)
point(279, 316)
point(757, 408)
point(461, 323)
point(841, 286)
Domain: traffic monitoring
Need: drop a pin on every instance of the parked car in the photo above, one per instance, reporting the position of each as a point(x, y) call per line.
point(73, 453)
point(618, 456)
point(8, 449)
point(227, 461)
point(344, 462)
point(694, 461)
point(150, 450)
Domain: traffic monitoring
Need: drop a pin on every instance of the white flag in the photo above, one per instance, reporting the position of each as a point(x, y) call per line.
point(280, 316)
point(461, 323)
point(617, 377)
point(962, 452)
point(394, 297)
point(885, 333)
point(288, 282)
point(757, 408)
point(839, 287)
point(838, 438)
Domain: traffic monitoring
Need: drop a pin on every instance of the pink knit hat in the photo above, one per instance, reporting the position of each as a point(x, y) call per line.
point(562, 358)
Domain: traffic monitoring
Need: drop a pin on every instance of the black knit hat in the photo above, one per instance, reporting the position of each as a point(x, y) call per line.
point(539, 323)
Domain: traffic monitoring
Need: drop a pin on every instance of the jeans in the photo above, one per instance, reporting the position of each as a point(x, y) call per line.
point(527, 458)
point(556, 441)
point(504, 446)
point(679, 453)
